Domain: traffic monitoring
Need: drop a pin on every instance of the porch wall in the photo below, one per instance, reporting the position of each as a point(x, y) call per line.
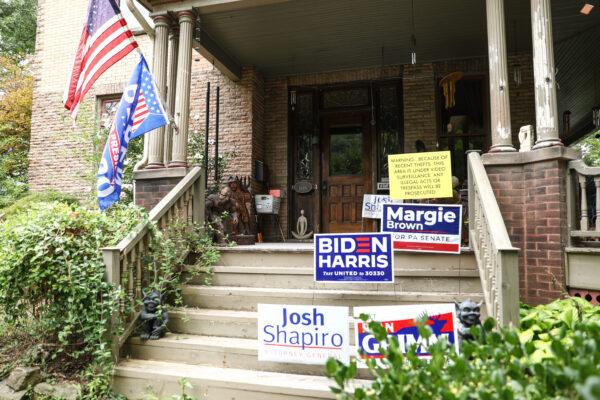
point(241, 123)
point(420, 100)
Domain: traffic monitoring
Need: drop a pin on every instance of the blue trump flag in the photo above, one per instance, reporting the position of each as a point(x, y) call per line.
point(139, 111)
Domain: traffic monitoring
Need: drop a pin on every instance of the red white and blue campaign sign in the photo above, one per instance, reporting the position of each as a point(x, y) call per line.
point(431, 228)
point(303, 334)
point(399, 321)
point(354, 257)
point(140, 111)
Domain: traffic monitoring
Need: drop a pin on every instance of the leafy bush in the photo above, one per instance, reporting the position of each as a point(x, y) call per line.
point(31, 199)
point(51, 270)
point(590, 149)
point(555, 356)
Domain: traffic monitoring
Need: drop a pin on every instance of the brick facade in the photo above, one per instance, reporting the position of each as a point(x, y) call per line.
point(150, 189)
point(253, 118)
point(531, 193)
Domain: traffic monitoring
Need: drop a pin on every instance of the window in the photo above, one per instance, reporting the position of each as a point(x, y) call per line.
point(464, 125)
point(108, 108)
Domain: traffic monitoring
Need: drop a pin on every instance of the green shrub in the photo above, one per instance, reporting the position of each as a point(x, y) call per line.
point(32, 199)
point(51, 271)
point(560, 360)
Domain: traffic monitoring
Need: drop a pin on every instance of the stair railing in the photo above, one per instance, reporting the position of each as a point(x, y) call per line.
point(125, 263)
point(496, 258)
point(583, 201)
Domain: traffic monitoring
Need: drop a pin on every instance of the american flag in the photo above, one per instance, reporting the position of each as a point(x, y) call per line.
point(105, 40)
point(139, 111)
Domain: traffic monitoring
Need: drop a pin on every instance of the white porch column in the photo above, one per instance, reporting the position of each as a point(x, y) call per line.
point(159, 70)
point(546, 109)
point(499, 96)
point(172, 82)
point(182, 99)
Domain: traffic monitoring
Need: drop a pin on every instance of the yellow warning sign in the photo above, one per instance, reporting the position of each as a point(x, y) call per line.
point(420, 175)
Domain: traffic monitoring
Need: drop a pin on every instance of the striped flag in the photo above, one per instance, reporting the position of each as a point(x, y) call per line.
point(139, 111)
point(105, 40)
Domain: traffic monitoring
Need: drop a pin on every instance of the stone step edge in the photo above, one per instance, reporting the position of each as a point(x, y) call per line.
point(260, 381)
point(399, 272)
point(321, 293)
point(290, 249)
point(184, 341)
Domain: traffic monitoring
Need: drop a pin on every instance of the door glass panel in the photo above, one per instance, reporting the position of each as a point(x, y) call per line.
point(345, 98)
point(345, 150)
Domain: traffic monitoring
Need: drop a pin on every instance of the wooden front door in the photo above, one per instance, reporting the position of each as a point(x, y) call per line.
point(346, 170)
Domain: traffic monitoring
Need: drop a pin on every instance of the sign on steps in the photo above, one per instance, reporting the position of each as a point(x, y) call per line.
point(302, 334)
point(354, 257)
point(399, 321)
point(373, 205)
point(431, 228)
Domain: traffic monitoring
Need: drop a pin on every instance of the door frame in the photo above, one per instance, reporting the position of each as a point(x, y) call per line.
point(319, 114)
point(354, 117)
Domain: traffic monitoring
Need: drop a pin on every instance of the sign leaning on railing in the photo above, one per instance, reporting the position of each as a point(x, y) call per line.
point(432, 228)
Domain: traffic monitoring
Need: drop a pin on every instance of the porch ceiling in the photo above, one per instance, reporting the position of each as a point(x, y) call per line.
point(302, 36)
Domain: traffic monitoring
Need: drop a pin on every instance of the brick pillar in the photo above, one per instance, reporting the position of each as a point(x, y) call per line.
point(530, 188)
point(151, 185)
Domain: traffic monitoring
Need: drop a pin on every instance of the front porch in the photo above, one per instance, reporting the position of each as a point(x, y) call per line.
point(349, 63)
point(314, 96)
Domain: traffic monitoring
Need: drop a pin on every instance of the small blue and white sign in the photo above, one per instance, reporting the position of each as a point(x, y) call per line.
point(431, 228)
point(354, 257)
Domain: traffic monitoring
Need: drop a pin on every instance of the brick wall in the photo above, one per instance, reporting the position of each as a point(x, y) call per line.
point(420, 119)
point(62, 153)
point(148, 192)
point(241, 123)
point(532, 198)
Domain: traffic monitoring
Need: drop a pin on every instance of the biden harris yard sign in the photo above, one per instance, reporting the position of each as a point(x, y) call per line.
point(432, 228)
point(303, 334)
point(354, 257)
point(400, 322)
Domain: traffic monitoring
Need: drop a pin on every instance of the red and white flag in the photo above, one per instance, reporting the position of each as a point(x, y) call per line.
point(105, 40)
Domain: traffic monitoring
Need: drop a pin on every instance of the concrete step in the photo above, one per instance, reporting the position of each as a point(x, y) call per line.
point(140, 379)
point(246, 298)
point(406, 279)
point(223, 323)
point(214, 351)
point(302, 255)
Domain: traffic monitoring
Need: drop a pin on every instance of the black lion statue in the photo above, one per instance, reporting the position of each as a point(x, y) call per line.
point(154, 317)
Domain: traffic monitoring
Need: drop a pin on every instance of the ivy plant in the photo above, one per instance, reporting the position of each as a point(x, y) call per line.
point(555, 354)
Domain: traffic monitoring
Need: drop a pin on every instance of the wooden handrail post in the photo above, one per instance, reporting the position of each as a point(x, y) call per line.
point(112, 275)
point(509, 287)
point(112, 263)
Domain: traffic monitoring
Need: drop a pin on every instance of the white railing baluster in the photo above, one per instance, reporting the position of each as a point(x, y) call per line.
point(578, 177)
point(584, 222)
